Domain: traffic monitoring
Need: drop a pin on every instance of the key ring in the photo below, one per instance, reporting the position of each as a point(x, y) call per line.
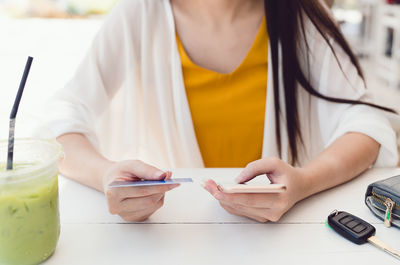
point(335, 212)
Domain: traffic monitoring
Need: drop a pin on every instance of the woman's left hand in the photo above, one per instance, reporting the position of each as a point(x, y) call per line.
point(263, 207)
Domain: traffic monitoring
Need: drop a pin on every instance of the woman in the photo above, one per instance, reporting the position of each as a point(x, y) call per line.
point(268, 84)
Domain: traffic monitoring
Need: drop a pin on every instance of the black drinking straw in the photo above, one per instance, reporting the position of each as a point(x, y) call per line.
point(14, 114)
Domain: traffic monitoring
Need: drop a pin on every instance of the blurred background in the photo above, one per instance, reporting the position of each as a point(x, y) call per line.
point(58, 33)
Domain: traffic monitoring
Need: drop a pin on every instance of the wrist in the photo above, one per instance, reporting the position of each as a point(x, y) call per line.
point(104, 174)
point(307, 186)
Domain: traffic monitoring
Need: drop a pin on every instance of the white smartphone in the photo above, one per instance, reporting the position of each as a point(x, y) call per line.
point(245, 188)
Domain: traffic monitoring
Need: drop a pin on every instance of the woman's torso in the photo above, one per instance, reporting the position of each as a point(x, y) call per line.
point(228, 109)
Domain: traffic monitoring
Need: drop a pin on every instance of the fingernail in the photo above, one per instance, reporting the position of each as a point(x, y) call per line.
point(238, 179)
point(167, 175)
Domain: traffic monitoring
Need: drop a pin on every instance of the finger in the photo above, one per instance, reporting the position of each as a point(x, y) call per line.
point(273, 213)
point(141, 203)
point(142, 215)
point(212, 187)
point(134, 192)
point(127, 178)
point(263, 201)
point(133, 204)
point(259, 167)
point(269, 214)
point(244, 199)
point(136, 168)
point(250, 211)
point(168, 175)
point(247, 214)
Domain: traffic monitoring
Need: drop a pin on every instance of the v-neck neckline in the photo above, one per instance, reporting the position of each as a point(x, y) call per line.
point(188, 60)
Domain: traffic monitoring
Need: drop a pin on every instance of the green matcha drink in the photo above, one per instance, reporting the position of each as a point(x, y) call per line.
point(29, 215)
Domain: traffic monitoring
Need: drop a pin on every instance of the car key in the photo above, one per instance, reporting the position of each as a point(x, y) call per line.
point(357, 231)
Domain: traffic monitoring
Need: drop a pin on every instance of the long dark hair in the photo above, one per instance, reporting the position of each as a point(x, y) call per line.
point(285, 25)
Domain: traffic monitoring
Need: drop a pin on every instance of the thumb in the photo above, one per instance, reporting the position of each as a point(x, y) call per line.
point(262, 166)
point(141, 170)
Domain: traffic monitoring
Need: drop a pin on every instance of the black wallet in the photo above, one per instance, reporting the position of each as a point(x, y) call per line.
point(383, 199)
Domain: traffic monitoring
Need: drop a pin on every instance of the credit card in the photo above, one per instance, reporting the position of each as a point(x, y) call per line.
point(141, 183)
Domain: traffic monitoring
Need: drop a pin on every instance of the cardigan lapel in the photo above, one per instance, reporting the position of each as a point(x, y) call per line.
point(184, 125)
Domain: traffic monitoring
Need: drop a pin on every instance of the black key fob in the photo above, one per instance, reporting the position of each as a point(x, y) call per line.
point(351, 227)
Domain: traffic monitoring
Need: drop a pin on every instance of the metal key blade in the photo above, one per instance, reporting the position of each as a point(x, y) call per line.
point(385, 247)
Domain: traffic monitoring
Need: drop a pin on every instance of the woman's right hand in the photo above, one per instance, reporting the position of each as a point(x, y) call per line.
point(135, 204)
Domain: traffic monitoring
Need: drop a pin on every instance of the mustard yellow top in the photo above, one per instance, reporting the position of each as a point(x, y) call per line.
point(228, 110)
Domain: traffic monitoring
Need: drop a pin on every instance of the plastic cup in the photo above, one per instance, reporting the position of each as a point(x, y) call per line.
point(29, 211)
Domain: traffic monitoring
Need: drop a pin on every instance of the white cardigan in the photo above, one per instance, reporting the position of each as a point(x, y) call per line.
point(128, 96)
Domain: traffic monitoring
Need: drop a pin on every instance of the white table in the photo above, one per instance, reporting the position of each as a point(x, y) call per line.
point(192, 228)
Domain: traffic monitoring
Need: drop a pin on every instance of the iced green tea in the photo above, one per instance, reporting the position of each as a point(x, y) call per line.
point(29, 214)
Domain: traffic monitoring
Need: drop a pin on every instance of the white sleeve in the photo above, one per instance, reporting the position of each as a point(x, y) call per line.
point(337, 119)
point(75, 107)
